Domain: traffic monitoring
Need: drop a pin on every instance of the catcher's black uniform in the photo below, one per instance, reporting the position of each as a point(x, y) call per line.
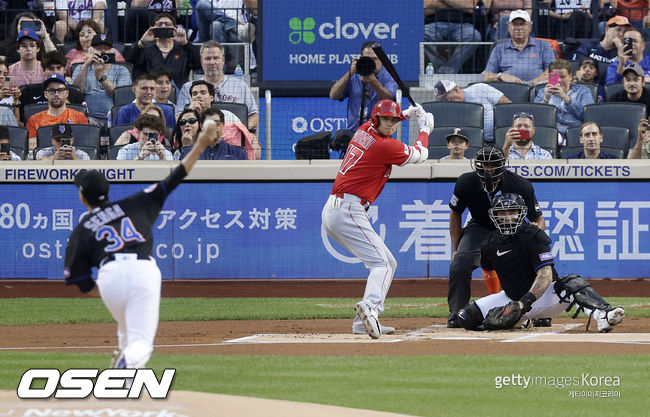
point(517, 258)
point(469, 194)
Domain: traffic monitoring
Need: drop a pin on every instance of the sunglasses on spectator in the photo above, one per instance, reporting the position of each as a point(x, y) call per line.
point(523, 113)
point(183, 122)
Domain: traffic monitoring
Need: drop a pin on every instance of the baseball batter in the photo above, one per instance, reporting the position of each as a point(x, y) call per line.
point(117, 238)
point(362, 175)
point(520, 255)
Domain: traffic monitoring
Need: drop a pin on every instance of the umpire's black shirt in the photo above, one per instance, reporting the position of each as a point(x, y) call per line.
point(517, 258)
point(469, 193)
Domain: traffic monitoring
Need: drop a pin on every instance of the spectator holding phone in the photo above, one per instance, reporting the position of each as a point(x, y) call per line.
point(606, 49)
point(133, 135)
point(22, 21)
point(98, 77)
point(62, 140)
point(633, 87)
point(9, 95)
point(519, 139)
point(569, 98)
point(630, 51)
point(84, 34)
point(148, 147)
point(6, 154)
point(165, 44)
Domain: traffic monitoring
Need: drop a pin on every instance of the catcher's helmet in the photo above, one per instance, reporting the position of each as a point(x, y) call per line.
point(489, 165)
point(387, 108)
point(508, 224)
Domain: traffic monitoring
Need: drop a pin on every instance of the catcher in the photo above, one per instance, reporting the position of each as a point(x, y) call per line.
point(520, 255)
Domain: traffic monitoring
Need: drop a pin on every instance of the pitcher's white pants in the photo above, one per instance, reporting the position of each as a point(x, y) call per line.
point(130, 288)
point(346, 221)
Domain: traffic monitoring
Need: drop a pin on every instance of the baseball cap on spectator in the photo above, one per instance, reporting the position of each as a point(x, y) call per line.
point(457, 132)
point(61, 130)
point(27, 33)
point(519, 14)
point(102, 38)
point(618, 21)
point(54, 78)
point(638, 69)
point(93, 186)
point(441, 89)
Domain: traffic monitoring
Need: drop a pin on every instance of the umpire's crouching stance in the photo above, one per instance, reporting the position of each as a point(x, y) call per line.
point(116, 237)
point(521, 257)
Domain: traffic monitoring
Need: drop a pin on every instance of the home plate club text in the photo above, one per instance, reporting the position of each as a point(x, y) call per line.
point(80, 383)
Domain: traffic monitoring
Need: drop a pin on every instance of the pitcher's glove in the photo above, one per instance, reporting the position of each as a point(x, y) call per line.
point(503, 317)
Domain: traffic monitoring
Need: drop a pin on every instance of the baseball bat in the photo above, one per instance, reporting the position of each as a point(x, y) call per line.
point(379, 51)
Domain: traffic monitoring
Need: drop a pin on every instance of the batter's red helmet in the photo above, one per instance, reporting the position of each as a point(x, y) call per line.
point(387, 108)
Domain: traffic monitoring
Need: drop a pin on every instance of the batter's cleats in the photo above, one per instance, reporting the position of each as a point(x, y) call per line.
point(607, 319)
point(118, 361)
point(382, 328)
point(369, 319)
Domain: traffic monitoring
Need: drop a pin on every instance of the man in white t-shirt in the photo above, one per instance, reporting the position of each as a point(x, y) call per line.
point(479, 93)
point(71, 12)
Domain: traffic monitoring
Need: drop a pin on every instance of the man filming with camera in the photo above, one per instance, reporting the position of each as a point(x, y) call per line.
point(148, 147)
point(98, 77)
point(364, 85)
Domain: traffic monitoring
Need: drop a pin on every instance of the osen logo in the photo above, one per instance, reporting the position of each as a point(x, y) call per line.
point(302, 30)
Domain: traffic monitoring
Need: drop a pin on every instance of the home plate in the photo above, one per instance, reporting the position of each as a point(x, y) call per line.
point(555, 333)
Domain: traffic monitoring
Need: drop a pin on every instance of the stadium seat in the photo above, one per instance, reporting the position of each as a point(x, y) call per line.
point(239, 109)
point(84, 136)
point(613, 137)
point(112, 152)
point(545, 137)
point(617, 114)
point(517, 93)
point(438, 136)
point(116, 131)
point(19, 141)
point(123, 95)
point(544, 114)
point(456, 114)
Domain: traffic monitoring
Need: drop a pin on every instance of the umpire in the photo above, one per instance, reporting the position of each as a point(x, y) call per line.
point(476, 191)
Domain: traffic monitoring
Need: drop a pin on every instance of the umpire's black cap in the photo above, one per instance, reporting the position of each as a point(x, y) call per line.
point(93, 186)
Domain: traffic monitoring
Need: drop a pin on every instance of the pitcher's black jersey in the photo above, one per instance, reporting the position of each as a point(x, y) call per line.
point(124, 226)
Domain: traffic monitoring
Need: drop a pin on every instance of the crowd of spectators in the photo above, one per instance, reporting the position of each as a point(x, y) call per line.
point(171, 77)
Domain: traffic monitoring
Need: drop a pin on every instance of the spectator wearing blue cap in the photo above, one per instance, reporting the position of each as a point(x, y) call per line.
point(56, 93)
point(28, 70)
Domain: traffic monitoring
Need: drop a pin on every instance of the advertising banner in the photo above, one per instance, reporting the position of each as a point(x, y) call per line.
point(315, 41)
point(273, 230)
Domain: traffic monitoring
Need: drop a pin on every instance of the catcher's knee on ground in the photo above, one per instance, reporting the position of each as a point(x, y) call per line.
point(470, 317)
point(583, 294)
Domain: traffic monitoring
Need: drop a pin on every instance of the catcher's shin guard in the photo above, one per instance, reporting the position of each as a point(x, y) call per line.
point(583, 294)
point(470, 317)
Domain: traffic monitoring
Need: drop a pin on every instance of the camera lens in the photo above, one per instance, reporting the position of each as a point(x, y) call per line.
point(365, 66)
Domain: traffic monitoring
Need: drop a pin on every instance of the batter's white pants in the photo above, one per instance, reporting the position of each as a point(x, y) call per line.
point(346, 221)
point(130, 288)
point(548, 305)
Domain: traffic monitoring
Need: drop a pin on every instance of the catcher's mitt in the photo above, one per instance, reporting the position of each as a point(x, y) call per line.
point(503, 317)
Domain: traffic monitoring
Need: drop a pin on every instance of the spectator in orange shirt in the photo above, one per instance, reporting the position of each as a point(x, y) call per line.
point(56, 93)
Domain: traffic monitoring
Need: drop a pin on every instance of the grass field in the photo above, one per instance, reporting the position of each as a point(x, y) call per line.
point(433, 385)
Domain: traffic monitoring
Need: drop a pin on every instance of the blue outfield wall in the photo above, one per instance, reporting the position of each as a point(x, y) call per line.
point(273, 230)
